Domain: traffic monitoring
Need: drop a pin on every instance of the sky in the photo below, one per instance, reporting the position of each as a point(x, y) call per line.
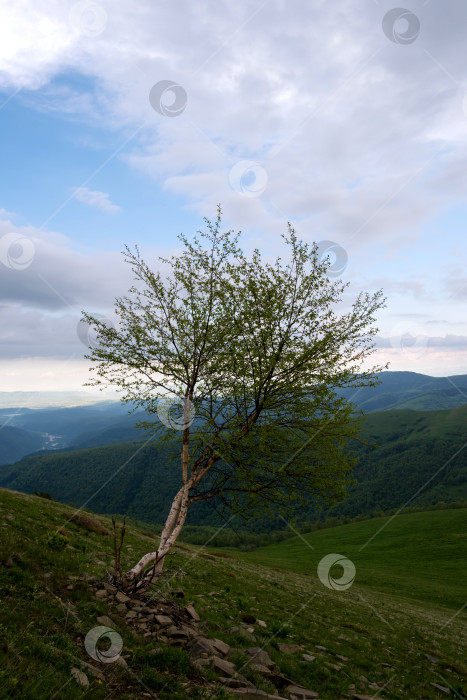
point(126, 123)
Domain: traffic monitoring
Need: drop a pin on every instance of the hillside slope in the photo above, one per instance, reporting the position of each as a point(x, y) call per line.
point(360, 642)
point(421, 453)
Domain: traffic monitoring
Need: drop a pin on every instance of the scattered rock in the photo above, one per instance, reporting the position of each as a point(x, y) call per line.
point(441, 688)
point(252, 694)
point(431, 658)
point(317, 646)
point(102, 594)
point(163, 620)
point(223, 666)
point(121, 597)
point(260, 668)
point(106, 621)
point(261, 623)
point(308, 657)
point(237, 682)
point(202, 648)
point(289, 648)
point(80, 677)
point(302, 693)
point(221, 646)
point(192, 613)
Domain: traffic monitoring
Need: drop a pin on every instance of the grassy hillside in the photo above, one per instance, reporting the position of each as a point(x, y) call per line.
point(418, 556)
point(362, 641)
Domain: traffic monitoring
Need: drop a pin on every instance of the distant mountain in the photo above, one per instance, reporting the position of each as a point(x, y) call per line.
point(108, 422)
point(421, 454)
point(16, 443)
point(48, 399)
point(410, 390)
point(68, 424)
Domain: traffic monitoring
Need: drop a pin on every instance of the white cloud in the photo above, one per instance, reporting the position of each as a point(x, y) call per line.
point(94, 198)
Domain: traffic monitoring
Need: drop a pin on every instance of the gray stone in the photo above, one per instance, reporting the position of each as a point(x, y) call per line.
point(221, 646)
point(442, 688)
point(102, 594)
point(202, 648)
point(237, 682)
point(253, 693)
point(163, 620)
point(192, 613)
point(223, 666)
point(261, 657)
point(289, 648)
point(260, 668)
point(302, 693)
point(92, 669)
point(122, 598)
point(111, 589)
point(308, 657)
point(80, 677)
point(105, 620)
point(122, 608)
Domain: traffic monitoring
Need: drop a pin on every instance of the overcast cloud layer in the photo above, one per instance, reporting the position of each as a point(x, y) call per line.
point(341, 117)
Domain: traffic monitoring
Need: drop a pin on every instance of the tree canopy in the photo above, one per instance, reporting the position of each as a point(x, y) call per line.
point(251, 354)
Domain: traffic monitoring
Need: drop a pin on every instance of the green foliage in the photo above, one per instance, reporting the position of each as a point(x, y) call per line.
point(57, 541)
point(258, 351)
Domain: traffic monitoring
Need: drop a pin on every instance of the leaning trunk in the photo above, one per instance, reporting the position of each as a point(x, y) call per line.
point(173, 525)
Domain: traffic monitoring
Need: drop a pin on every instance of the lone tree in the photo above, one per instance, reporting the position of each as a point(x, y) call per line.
point(251, 354)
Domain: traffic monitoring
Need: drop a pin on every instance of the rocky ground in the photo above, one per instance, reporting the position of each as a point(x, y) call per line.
point(165, 622)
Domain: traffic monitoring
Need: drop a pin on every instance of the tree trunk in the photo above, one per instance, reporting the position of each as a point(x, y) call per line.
point(173, 525)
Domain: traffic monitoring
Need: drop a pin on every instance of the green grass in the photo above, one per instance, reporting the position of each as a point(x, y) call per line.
point(43, 621)
point(420, 556)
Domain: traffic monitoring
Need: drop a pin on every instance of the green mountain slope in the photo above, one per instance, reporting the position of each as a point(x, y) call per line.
point(421, 454)
point(15, 443)
point(364, 641)
point(420, 556)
